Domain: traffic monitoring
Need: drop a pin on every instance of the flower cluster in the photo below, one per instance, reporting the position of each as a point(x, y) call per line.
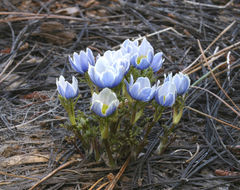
point(125, 79)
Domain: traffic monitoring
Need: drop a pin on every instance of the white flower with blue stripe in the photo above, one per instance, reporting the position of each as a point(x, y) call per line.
point(157, 62)
point(182, 83)
point(105, 103)
point(118, 58)
point(80, 62)
point(129, 47)
point(166, 94)
point(142, 55)
point(141, 89)
point(66, 89)
point(109, 69)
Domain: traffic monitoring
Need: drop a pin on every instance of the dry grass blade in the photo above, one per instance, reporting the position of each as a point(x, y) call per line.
point(103, 185)
point(53, 172)
point(21, 61)
point(209, 46)
point(17, 176)
point(194, 155)
point(209, 5)
point(217, 98)
point(97, 182)
point(205, 59)
point(30, 16)
point(117, 177)
point(211, 117)
point(213, 57)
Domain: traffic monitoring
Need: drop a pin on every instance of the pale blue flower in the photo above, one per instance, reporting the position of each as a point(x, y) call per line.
point(66, 89)
point(108, 70)
point(142, 55)
point(129, 47)
point(168, 78)
point(119, 59)
point(81, 61)
point(141, 90)
point(166, 94)
point(157, 62)
point(104, 103)
point(182, 83)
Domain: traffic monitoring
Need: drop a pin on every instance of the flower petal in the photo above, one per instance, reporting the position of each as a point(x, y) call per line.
point(83, 62)
point(144, 63)
point(145, 47)
point(69, 93)
point(145, 94)
point(97, 108)
point(157, 62)
point(134, 90)
point(107, 79)
point(90, 56)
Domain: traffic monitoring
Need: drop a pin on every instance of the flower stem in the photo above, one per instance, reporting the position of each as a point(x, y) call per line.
point(96, 152)
point(105, 134)
point(105, 129)
point(134, 111)
point(177, 114)
point(156, 117)
point(109, 153)
point(71, 113)
point(164, 140)
point(89, 82)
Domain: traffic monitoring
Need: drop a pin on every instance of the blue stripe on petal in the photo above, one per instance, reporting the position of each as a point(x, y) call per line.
point(161, 100)
point(110, 110)
point(157, 62)
point(144, 47)
point(83, 63)
point(145, 94)
point(97, 108)
point(134, 89)
point(133, 60)
point(119, 76)
point(170, 100)
point(150, 56)
point(75, 67)
point(144, 63)
point(61, 90)
point(90, 56)
point(69, 93)
point(107, 79)
point(91, 72)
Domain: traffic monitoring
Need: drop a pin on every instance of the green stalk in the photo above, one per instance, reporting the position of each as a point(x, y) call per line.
point(89, 82)
point(178, 110)
point(71, 113)
point(109, 153)
point(177, 115)
point(105, 135)
point(96, 152)
point(163, 144)
point(134, 111)
point(105, 129)
point(157, 115)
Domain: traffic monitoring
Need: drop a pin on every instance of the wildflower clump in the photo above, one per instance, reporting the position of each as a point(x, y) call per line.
point(123, 83)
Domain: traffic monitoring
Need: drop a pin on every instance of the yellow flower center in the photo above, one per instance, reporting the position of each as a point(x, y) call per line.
point(140, 58)
point(164, 99)
point(104, 109)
